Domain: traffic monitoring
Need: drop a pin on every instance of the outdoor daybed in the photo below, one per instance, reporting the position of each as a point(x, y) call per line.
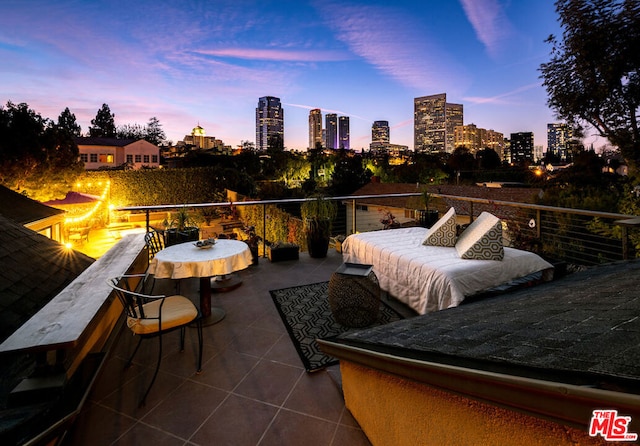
point(432, 269)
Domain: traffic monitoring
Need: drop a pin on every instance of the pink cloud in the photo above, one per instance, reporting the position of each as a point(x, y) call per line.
point(276, 54)
point(489, 22)
point(501, 99)
point(389, 39)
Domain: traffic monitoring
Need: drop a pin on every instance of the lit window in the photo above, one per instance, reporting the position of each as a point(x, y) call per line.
point(106, 158)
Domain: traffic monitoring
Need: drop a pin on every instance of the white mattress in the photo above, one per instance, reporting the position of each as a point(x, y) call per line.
point(431, 278)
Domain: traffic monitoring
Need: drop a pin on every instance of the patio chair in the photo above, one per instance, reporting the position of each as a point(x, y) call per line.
point(152, 316)
point(79, 235)
point(155, 243)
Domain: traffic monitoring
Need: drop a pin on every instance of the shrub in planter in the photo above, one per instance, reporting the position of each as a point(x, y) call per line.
point(183, 227)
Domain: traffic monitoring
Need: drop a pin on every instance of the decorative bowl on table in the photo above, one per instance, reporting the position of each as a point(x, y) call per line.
point(205, 244)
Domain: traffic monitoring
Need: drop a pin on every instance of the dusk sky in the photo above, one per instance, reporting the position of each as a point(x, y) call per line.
point(208, 62)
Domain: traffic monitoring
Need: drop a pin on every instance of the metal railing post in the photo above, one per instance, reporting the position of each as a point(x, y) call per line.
point(353, 217)
point(264, 230)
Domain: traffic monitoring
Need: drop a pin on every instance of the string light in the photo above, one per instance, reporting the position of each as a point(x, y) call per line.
point(88, 215)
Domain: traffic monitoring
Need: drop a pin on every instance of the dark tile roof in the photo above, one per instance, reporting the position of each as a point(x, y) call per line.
point(22, 209)
point(582, 329)
point(95, 141)
point(33, 269)
point(510, 194)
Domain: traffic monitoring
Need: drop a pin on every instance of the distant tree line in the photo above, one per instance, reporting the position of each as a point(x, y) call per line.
point(39, 157)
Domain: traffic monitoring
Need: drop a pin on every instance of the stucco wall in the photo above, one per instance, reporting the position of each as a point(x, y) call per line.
point(395, 411)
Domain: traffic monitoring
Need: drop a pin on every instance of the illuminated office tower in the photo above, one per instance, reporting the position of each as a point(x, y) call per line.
point(559, 140)
point(434, 122)
point(380, 135)
point(315, 128)
point(521, 147)
point(269, 122)
point(331, 129)
point(343, 132)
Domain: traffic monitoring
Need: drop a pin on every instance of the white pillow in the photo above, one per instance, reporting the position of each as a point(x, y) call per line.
point(443, 232)
point(482, 240)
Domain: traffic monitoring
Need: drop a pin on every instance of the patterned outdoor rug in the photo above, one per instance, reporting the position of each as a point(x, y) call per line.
point(306, 314)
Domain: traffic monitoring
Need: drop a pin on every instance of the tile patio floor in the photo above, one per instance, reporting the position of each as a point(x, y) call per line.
point(253, 389)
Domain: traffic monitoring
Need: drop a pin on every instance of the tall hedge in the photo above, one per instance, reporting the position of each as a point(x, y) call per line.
point(159, 186)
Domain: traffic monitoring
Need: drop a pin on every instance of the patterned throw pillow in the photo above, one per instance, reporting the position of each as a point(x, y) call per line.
point(443, 232)
point(482, 240)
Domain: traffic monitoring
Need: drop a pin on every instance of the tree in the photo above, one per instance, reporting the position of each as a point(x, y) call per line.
point(103, 125)
point(488, 159)
point(37, 157)
point(349, 173)
point(67, 121)
point(154, 133)
point(130, 131)
point(593, 75)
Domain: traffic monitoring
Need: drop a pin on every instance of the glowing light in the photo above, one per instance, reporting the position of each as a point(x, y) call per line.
point(68, 245)
point(89, 214)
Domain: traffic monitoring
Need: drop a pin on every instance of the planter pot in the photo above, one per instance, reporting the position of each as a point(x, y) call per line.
point(173, 236)
point(317, 232)
point(426, 219)
point(280, 254)
point(254, 255)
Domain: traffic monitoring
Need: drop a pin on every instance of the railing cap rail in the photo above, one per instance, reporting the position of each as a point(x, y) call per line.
point(399, 195)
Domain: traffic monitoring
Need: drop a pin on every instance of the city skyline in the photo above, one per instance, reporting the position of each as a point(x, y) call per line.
point(207, 64)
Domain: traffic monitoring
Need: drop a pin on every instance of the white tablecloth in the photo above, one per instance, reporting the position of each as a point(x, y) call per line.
point(186, 260)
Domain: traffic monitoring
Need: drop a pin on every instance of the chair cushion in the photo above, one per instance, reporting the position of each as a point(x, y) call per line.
point(176, 311)
point(443, 232)
point(482, 240)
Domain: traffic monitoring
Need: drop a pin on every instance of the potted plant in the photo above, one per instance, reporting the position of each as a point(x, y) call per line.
point(252, 241)
point(388, 220)
point(183, 227)
point(427, 217)
point(317, 215)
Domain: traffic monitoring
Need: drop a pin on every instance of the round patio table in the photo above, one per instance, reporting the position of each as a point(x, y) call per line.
point(186, 260)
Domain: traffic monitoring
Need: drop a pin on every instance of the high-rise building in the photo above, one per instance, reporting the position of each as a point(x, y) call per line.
point(269, 122)
point(331, 129)
point(380, 135)
point(434, 122)
point(468, 136)
point(315, 128)
point(559, 140)
point(521, 147)
point(494, 140)
point(343, 132)
point(475, 138)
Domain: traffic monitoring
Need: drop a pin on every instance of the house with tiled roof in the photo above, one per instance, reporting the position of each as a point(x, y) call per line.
point(109, 153)
point(45, 220)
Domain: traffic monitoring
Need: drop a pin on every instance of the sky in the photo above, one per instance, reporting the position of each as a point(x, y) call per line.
point(207, 63)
